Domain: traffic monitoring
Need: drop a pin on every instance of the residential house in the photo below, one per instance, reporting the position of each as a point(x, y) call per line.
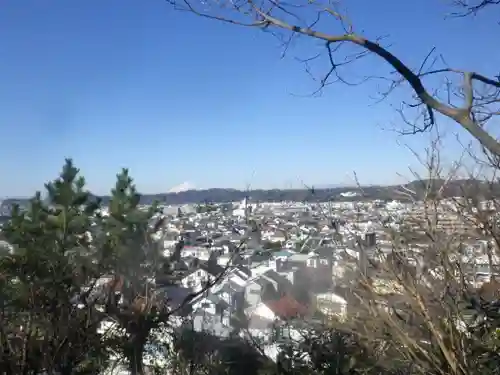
point(212, 314)
point(268, 286)
point(313, 269)
point(272, 323)
point(331, 304)
point(200, 276)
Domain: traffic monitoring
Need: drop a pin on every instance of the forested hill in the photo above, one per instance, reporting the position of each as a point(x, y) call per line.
point(419, 187)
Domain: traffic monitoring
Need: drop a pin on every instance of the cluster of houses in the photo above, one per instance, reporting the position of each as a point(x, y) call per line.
point(237, 286)
point(263, 270)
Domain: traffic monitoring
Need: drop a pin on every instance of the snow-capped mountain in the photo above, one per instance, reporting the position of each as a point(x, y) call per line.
point(185, 186)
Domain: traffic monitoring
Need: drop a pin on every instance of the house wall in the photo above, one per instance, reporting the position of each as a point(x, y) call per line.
point(214, 324)
point(195, 280)
point(200, 253)
point(253, 293)
point(224, 260)
point(264, 312)
point(205, 305)
point(267, 336)
point(290, 275)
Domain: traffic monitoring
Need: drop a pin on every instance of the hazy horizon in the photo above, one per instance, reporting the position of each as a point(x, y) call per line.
point(352, 185)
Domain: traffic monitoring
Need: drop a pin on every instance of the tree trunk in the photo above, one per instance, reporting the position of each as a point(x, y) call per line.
point(135, 354)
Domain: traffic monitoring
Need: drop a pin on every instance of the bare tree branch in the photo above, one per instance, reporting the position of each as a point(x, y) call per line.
point(272, 14)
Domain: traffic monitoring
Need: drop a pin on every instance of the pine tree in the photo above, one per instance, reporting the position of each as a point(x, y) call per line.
point(41, 328)
point(134, 263)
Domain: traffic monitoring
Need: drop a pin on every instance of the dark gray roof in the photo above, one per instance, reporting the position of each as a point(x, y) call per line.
point(280, 279)
point(189, 272)
point(212, 268)
point(241, 271)
point(260, 256)
point(260, 281)
point(244, 270)
point(174, 295)
point(324, 251)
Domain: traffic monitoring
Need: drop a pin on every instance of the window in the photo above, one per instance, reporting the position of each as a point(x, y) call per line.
point(323, 261)
point(281, 333)
point(205, 305)
point(311, 262)
point(198, 273)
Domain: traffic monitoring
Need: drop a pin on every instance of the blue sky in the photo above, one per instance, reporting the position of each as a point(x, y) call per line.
point(128, 83)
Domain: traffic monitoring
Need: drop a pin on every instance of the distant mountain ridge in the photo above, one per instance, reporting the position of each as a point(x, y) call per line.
point(392, 192)
point(185, 186)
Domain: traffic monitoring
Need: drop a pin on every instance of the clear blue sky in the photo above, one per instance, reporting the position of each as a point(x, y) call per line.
point(132, 83)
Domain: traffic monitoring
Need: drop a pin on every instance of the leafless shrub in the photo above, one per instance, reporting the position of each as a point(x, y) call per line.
point(422, 298)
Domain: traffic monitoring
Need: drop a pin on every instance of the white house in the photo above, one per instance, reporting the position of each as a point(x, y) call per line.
point(332, 304)
point(196, 279)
